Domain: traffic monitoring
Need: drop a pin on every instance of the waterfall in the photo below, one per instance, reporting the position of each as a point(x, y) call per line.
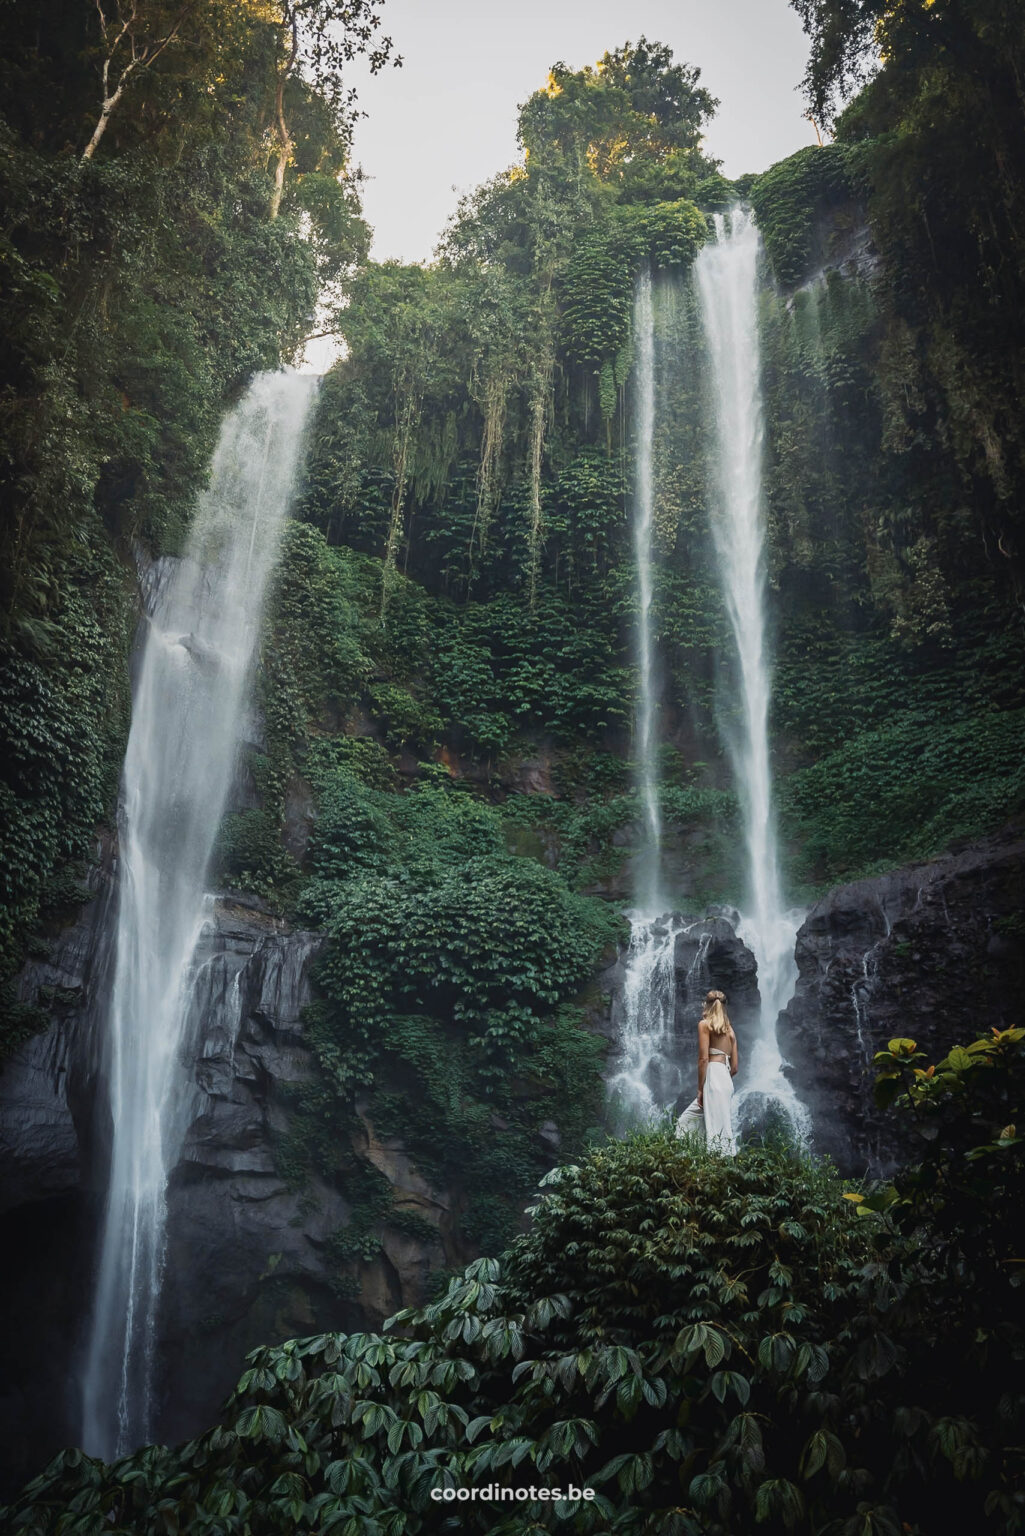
point(643, 1078)
point(643, 506)
point(188, 711)
point(726, 273)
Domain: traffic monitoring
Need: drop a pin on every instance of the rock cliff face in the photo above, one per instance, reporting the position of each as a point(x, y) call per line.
point(934, 952)
point(254, 1253)
point(249, 1257)
point(48, 1205)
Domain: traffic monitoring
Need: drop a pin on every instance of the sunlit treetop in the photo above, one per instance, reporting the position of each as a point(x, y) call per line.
point(632, 120)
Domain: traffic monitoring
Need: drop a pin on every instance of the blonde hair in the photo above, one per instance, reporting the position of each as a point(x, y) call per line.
point(714, 1014)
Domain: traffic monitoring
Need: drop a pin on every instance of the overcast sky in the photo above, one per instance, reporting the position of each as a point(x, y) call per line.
point(446, 120)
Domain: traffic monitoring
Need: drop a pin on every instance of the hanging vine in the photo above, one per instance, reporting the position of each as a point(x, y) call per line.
point(407, 420)
point(539, 415)
point(492, 398)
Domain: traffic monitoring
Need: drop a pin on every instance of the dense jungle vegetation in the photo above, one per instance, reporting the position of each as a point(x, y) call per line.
point(444, 787)
point(709, 1346)
point(456, 604)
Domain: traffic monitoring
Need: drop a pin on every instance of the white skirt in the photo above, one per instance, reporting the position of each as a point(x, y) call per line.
point(713, 1124)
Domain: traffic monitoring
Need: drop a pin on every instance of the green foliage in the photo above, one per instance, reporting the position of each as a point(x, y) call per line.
point(64, 707)
point(710, 1392)
point(498, 667)
point(956, 1302)
point(366, 760)
point(943, 189)
point(906, 790)
point(599, 281)
point(315, 652)
point(897, 648)
point(709, 1344)
point(630, 125)
point(793, 200)
point(250, 857)
point(442, 985)
point(966, 1110)
point(489, 946)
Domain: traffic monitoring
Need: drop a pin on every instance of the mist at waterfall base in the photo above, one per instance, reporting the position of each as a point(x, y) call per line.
point(189, 711)
point(646, 1077)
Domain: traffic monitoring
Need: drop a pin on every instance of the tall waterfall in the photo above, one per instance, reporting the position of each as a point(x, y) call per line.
point(188, 711)
point(645, 743)
point(727, 279)
point(643, 1076)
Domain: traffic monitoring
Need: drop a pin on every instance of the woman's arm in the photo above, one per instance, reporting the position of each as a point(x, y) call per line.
point(734, 1058)
point(703, 1033)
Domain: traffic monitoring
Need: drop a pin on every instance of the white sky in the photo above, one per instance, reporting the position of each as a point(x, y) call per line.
point(446, 120)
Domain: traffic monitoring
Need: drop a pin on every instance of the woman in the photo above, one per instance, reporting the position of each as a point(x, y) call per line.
point(712, 1110)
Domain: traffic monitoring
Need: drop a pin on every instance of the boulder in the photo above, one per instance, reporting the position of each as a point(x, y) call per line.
point(933, 952)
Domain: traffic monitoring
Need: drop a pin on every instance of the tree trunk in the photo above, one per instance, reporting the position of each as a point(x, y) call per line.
point(284, 150)
point(110, 102)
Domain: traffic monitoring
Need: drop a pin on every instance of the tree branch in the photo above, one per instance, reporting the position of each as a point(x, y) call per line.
point(141, 58)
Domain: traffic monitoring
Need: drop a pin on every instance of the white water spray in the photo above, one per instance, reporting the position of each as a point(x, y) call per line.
point(187, 714)
point(645, 1077)
point(726, 272)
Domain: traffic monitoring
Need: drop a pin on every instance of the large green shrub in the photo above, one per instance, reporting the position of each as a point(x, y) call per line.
point(669, 1335)
point(792, 201)
point(446, 987)
point(709, 1345)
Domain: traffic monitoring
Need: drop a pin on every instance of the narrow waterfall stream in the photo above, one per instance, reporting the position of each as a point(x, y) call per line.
point(643, 1077)
point(189, 707)
point(726, 272)
point(649, 881)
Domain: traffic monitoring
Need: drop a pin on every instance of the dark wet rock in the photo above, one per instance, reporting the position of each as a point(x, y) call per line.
point(709, 954)
point(931, 952)
point(251, 1257)
point(550, 1134)
point(48, 1199)
point(760, 1119)
point(47, 1083)
point(299, 817)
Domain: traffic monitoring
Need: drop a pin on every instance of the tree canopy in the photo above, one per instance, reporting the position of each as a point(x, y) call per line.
point(852, 39)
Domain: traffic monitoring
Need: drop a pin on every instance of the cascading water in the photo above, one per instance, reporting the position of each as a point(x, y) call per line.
point(644, 330)
point(188, 712)
point(726, 273)
point(643, 1077)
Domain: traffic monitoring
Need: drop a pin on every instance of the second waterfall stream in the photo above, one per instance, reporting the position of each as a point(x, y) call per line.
point(189, 709)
